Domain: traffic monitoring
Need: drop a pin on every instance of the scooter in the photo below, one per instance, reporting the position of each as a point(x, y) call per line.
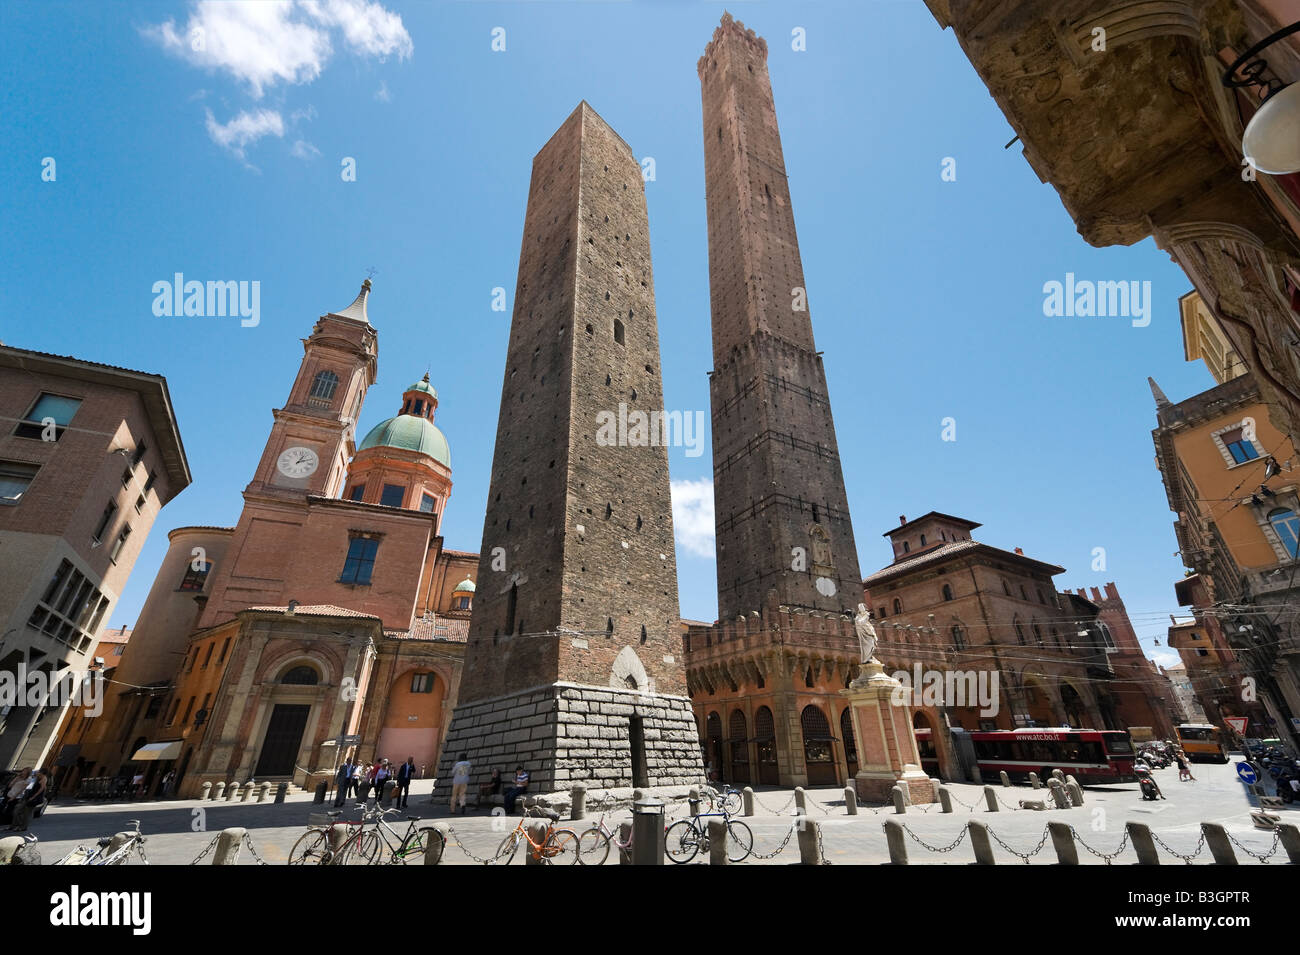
point(1148, 786)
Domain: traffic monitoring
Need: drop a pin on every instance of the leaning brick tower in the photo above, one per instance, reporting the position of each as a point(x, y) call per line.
point(782, 515)
point(573, 664)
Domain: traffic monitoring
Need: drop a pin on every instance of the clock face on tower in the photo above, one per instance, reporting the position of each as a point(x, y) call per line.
point(298, 462)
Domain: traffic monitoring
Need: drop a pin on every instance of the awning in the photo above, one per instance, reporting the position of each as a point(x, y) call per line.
point(158, 751)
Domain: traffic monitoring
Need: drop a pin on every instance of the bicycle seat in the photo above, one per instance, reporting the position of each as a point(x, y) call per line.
point(336, 813)
point(412, 818)
point(551, 814)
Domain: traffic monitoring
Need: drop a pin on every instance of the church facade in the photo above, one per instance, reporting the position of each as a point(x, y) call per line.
point(329, 621)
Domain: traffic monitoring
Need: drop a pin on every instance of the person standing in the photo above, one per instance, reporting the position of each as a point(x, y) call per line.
point(381, 776)
point(364, 774)
point(343, 781)
point(460, 782)
point(18, 787)
point(405, 773)
point(29, 802)
point(168, 782)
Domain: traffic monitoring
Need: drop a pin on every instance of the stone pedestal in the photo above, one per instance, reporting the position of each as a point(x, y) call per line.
point(603, 737)
point(887, 752)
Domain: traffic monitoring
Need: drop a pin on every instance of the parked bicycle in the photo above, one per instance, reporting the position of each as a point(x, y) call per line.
point(315, 846)
point(594, 843)
point(557, 846)
point(381, 844)
point(689, 836)
point(100, 854)
point(728, 799)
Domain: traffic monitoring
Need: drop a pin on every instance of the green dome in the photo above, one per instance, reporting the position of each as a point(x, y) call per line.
point(424, 387)
point(465, 586)
point(410, 433)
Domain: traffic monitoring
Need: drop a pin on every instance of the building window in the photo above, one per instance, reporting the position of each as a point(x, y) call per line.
point(906, 547)
point(618, 331)
point(224, 647)
point(429, 504)
point(462, 603)
point(323, 385)
point(1020, 633)
point(958, 638)
point(148, 485)
point(1038, 634)
point(358, 491)
point(1040, 597)
point(421, 682)
point(392, 496)
point(195, 579)
point(104, 520)
point(1241, 449)
point(155, 705)
point(922, 540)
point(48, 408)
point(15, 478)
point(1006, 587)
point(947, 592)
point(898, 606)
point(207, 657)
point(301, 676)
point(360, 563)
point(119, 543)
point(171, 711)
point(1105, 635)
point(71, 608)
point(140, 449)
point(882, 613)
point(189, 707)
point(1286, 525)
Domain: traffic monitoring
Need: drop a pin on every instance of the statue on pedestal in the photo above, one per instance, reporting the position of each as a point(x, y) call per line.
point(866, 635)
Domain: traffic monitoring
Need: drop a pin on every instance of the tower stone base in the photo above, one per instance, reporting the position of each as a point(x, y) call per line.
point(565, 733)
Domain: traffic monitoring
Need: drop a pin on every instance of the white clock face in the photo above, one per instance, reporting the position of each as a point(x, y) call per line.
point(298, 462)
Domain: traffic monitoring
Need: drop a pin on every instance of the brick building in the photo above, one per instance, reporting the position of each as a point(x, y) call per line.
point(89, 454)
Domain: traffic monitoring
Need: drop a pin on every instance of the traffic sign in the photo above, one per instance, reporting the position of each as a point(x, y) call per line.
point(1237, 723)
point(1247, 773)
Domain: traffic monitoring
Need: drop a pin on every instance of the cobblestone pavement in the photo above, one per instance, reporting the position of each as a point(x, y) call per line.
point(178, 831)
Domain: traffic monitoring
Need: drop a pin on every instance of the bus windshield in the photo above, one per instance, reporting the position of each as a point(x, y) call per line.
point(1198, 733)
point(1117, 743)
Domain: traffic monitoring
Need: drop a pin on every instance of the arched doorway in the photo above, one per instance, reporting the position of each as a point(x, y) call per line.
point(1075, 711)
point(713, 748)
point(1037, 702)
point(927, 745)
point(765, 745)
point(817, 751)
point(283, 737)
point(850, 741)
point(738, 740)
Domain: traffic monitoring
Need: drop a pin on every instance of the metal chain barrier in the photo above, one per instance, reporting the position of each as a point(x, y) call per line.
point(776, 812)
point(1004, 804)
point(248, 842)
point(784, 842)
point(948, 848)
point(494, 860)
point(199, 858)
point(1108, 856)
point(1188, 859)
point(1024, 856)
point(959, 801)
point(821, 851)
point(1262, 857)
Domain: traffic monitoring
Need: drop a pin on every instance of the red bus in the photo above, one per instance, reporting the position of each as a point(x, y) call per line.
point(1091, 756)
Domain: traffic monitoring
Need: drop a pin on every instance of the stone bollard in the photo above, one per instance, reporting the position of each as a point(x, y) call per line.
point(900, 802)
point(1006, 780)
point(647, 832)
point(747, 796)
point(338, 837)
point(800, 799)
point(221, 788)
point(1075, 792)
point(433, 849)
point(578, 802)
point(1058, 776)
point(1139, 836)
point(1069, 779)
point(1035, 781)
point(233, 791)
point(1216, 837)
point(1063, 842)
point(717, 842)
point(945, 799)
point(281, 791)
point(536, 832)
point(991, 798)
point(1290, 838)
point(624, 837)
point(228, 845)
point(386, 794)
point(980, 842)
point(808, 837)
point(850, 801)
point(1058, 794)
point(205, 791)
point(897, 840)
point(262, 790)
point(321, 788)
point(693, 798)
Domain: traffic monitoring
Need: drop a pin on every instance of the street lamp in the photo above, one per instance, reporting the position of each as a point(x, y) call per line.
point(1271, 142)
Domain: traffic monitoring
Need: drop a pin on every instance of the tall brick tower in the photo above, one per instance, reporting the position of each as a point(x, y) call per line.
point(573, 664)
point(781, 510)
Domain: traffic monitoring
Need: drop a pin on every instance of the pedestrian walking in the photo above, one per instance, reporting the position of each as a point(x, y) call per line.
point(14, 794)
point(32, 800)
point(1184, 767)
point(343, 781)
point(460, 782)
point(405, 773)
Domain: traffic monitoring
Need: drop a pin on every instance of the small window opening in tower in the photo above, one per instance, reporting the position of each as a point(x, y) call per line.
point(609, 624)
point(817, 518)
point(511, 601)
point(609, 510)
point(638, 522)
point(643, 633)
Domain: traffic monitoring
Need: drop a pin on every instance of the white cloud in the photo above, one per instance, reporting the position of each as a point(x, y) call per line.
point(382, 93)
point(304, 150)
point(265, 42)
point(693, 515)
point(1166, 658)
point(244, 129)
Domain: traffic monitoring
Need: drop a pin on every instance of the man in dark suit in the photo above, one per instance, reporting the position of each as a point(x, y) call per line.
point(405, 773)
point(343, 781)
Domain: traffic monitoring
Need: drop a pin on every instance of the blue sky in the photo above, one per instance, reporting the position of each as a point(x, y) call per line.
point(926, 295)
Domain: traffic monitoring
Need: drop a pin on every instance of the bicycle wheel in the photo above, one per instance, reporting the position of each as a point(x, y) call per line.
point(593, 847)
point(359, 850)
point(740, 841)
point(682, 841)
point(731, 803)
point(312, 848)
point(425, 845)
point(706, 798)
point(560, 847)
point(509, 846)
